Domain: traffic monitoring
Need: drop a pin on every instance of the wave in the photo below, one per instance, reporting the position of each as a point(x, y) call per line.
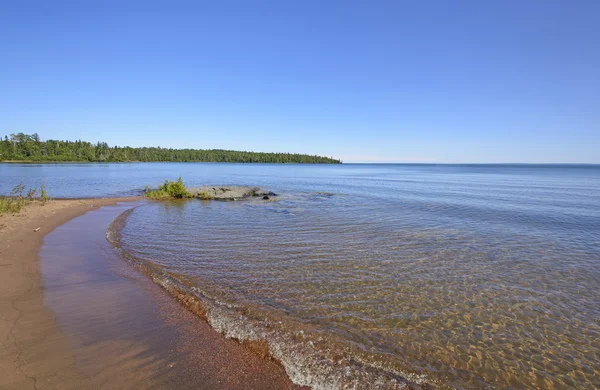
point(310, 357)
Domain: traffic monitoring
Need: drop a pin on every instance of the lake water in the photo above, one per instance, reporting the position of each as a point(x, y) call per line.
point(468, 276)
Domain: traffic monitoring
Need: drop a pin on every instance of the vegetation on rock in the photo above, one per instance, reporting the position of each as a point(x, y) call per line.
point(169, 189)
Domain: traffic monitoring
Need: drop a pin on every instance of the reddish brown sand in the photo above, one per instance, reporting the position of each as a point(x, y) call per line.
point(85, 319)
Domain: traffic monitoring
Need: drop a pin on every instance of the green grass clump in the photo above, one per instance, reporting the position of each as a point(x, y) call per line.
point(18, 198)
point(43, 194)
point(169, 189)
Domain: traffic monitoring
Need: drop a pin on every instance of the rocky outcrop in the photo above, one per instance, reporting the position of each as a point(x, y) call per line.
point(229, 192)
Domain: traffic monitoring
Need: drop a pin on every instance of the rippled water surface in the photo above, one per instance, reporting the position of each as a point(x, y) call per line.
point(465, 276)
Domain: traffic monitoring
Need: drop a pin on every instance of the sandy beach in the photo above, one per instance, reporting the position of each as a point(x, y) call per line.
point(90, 321)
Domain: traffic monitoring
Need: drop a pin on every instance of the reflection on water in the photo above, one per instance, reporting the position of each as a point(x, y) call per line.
point(469, 281)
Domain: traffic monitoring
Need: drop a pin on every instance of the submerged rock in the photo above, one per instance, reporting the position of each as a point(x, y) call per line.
point(228, 192)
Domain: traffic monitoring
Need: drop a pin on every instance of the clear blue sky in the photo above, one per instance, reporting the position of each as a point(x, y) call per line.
point(422, 81)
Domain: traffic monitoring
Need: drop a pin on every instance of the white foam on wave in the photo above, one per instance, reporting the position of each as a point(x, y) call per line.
point(308, 359)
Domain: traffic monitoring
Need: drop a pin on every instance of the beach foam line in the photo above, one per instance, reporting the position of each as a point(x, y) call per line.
point(310, 358)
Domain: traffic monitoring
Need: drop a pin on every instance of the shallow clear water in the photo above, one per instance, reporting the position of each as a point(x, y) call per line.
point(467, 276)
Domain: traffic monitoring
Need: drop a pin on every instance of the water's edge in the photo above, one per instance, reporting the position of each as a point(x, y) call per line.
point(308, 359)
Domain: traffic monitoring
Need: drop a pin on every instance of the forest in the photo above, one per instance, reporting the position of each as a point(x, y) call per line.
point(29, 147)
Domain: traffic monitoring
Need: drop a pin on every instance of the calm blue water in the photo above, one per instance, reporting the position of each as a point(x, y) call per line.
point(465, 275)
point(93, 180)
point(549, 200)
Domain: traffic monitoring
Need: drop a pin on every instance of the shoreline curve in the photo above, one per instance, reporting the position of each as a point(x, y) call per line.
point(41, 349)
point(307, 359)
point(35, 349)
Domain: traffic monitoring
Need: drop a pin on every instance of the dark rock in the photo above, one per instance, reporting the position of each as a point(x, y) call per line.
point(228, 192)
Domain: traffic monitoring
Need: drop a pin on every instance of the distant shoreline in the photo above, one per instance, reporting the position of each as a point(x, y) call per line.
point(154, 162)
point(29, 147)
point(312, 163)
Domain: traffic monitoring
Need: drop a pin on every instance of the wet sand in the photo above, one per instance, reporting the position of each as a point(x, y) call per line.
point(74, 315)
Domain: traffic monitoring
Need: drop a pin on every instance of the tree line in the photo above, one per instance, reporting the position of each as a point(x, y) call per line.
point(29, 147)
